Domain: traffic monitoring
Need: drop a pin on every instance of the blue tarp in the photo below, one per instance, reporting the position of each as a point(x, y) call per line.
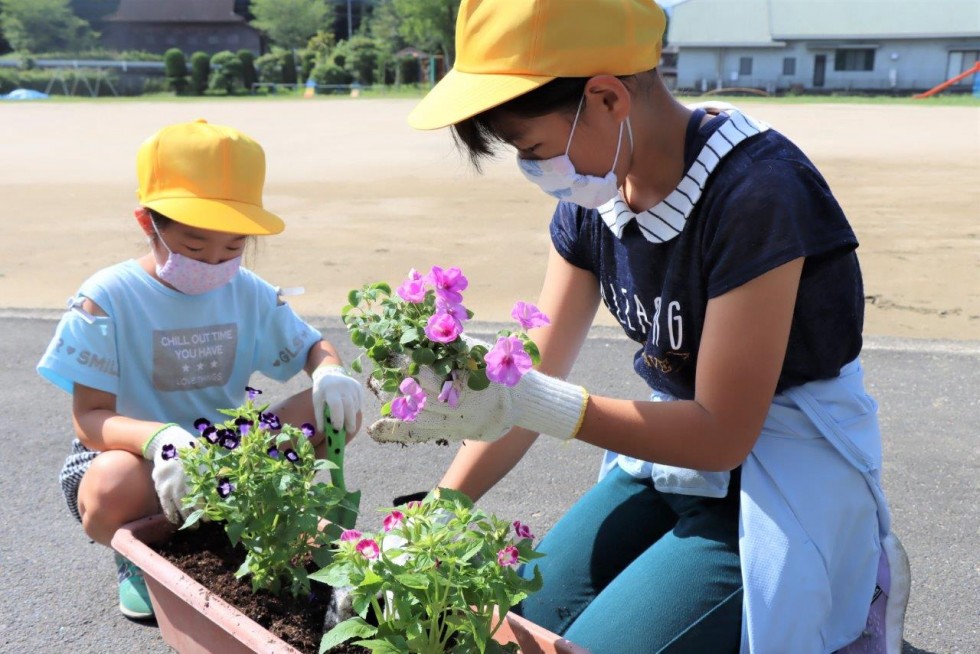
point(25, 94)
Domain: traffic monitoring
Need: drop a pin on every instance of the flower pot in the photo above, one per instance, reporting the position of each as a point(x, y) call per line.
point(194, 621)
point(534, 639)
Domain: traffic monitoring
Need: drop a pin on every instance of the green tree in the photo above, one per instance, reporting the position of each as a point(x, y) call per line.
point(360, 58)
point(44, 26)
point(175, 66)
point(249, 77)
point(200, 70)
point(429, 25)
point(226, 72)
point(289, 67)
point(290, 23)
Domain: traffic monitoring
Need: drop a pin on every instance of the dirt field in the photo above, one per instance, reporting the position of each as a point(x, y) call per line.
point(366, 198)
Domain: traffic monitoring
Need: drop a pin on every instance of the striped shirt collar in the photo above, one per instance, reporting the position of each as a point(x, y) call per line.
point(664, 221)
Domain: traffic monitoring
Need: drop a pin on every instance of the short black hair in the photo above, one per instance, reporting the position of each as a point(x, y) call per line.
point(158, 218)
point(561, 94)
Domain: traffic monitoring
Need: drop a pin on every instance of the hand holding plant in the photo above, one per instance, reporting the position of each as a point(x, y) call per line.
point(431, 578)
point(256, 475)
point(415, 340)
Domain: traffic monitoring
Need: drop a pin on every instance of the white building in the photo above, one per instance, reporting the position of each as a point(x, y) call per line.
point(829, 45)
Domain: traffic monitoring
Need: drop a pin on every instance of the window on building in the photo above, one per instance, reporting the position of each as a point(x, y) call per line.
point(745, 66)
point(789, 65)
point(961, 61)
point(854, 59)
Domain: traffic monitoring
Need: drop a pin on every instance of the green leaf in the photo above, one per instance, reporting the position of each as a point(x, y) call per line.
point(357, 337)
point(192, 519)
point(532, 349)
point(382, 646)
point(355, 365)
point(383, 287)
point(443, 367)
point(408, 336)
point(354, 298)
point(412, 580)
point(332, 575)
point(234, 531)
point(352, 628)
point(423, 356)
point(385, 409)
point(478, 380)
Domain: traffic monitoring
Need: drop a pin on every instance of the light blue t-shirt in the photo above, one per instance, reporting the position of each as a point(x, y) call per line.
point(172, 357)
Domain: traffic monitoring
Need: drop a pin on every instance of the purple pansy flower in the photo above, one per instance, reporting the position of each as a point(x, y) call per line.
point(308, 430)
point(408, 405)
point(508, 557)
point(229, 439)
point(168, 451)
point(442, 328)
point(252, 392)
point(529, 316)
point(291, 455)
point(449, 284)
point(244, 424)
point(273, 452)
point(269, 420)
point(225, 487)
point(210, 433)
point(201, 424)
point(507, 361)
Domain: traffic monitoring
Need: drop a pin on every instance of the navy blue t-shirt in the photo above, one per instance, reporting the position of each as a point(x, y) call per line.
point(757, 206)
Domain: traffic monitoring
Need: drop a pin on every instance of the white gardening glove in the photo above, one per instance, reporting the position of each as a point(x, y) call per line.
point(336, 390)
point(540, 403)
point(163, 449)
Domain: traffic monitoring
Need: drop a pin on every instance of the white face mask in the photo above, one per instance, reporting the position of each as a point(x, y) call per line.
point(191, 276)
point(558, 178)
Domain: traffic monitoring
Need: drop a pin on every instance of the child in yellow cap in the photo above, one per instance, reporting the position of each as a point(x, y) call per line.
point(742, 508)
point(151, 344)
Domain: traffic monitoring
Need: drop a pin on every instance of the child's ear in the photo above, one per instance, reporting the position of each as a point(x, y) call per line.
point(145, 221)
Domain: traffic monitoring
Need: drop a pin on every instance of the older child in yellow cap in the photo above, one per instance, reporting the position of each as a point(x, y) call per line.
point(151, 344)
point(741, 509)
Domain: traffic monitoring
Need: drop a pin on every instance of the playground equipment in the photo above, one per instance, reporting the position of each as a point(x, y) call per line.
point(948, 83)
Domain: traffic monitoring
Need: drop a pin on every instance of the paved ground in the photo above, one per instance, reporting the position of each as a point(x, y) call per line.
point(57, 590)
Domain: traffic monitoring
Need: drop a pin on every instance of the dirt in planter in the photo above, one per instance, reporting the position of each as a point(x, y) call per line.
point(206, 555)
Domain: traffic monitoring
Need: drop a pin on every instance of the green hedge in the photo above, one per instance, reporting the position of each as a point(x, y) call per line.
point(38, 80)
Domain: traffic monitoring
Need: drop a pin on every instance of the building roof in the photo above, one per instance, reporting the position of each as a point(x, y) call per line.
point(176, 11)
point(725, 23)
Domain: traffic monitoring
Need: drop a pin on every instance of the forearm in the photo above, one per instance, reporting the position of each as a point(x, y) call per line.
point(104, 429)
point(479, 466)
point(681, 433)
point(321, 353)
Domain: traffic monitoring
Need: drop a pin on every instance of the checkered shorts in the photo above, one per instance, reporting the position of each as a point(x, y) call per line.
point(72, 472)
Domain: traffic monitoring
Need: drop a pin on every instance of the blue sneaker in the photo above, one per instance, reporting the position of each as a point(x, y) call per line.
point(134, 600)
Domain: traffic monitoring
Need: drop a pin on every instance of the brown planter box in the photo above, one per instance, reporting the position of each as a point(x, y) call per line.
point(194, 621)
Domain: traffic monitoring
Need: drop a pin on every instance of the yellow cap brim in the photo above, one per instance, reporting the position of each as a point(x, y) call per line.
point(225, 216)
point(459, 96)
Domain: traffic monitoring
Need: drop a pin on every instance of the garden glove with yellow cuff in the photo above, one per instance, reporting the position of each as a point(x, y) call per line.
point(162, 448)
point(540, 403)
point(336, 390)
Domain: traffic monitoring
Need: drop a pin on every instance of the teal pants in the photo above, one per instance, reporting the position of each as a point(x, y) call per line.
point(632, 570)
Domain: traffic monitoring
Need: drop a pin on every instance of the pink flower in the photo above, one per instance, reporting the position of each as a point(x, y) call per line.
point(451, 390)
point(522, 530)
point(529, 316)
point(414, 504)
point(449, 284)
point(507, 361)
point(369, 549)
point(393, 520)
point(408, 405)
point(457, 311)
point(507, 557)
point(349, 535)
point(442, 328)
point(412, 289)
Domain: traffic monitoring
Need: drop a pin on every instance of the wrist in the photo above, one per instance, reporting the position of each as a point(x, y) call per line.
point(329, 369)
point(153, 444)
point(548, 405)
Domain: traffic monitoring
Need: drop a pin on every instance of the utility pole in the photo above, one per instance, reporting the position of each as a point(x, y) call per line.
point(350, 21)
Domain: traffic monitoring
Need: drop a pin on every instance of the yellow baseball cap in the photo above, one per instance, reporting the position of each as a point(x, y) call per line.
point(206, 176)
point(506, 48)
